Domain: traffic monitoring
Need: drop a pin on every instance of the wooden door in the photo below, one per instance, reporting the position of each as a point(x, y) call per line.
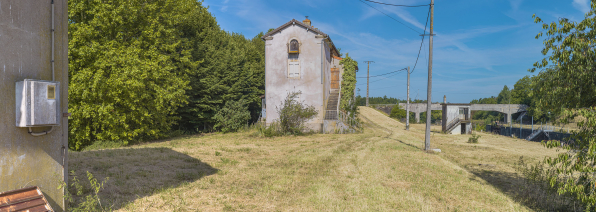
point(334, 78)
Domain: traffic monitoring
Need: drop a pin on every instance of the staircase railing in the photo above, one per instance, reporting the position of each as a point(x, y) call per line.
point(534, 134)
point(452, 124)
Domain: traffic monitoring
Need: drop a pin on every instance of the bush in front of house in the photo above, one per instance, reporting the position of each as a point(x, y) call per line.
point(232, 117)
point(293, 114)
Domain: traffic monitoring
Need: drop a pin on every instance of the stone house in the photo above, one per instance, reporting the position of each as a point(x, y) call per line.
point(301, 58)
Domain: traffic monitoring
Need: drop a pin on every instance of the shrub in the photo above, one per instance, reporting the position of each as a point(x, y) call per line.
point(537, 190)
point(397, 112)
point(294, 114)
point(84, 197)
point(232, 117)
point(269, 131)
point(474, 138)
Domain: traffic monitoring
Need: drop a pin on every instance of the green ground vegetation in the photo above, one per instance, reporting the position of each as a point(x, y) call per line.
point(381, 169)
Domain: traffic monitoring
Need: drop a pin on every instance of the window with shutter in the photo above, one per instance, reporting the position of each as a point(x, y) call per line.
point(294, 69)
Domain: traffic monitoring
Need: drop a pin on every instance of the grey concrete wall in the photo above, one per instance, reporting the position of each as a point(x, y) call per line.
point(25, 40)
point(313, 85)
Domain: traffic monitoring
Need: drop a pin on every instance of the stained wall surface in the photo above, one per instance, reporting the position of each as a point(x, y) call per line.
point(315, 66)
point(25, 53)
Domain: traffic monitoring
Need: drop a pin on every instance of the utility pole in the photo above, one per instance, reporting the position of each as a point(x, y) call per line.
point(367, 79)
point(408, 103)
point(430, 78)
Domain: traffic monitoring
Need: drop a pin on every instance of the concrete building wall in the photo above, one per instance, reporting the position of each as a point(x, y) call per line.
point(452, 113)
point(456, 130)
point(315, 64)
point(25, 53)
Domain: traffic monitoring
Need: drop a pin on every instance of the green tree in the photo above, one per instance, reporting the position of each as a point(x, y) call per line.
point(520, 94)
point(232, 117)
point(232, 69)
point(397, 112)
point(566, 84)
point(504, 96)
point(128, 67)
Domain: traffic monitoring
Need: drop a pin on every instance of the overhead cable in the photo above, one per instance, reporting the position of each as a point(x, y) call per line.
point(399, 5)
point(393, 74)
point(421, 42)
point(385, 73)
point(389, 16)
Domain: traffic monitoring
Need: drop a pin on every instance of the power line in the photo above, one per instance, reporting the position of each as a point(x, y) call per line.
point(426, 24)
point(389, 16)
point(385, 73)
point(399, 5)
point(387, 77)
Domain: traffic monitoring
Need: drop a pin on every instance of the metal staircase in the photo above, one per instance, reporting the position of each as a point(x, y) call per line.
point(453, 124)
point(332, 105)
point(534, 135)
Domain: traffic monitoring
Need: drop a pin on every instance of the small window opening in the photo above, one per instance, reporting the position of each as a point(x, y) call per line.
point(294, 46)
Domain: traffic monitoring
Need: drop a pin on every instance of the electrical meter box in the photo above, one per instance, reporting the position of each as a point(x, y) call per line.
point(37, 103)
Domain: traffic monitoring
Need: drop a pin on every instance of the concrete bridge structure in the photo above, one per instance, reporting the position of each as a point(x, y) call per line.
point(418, 108)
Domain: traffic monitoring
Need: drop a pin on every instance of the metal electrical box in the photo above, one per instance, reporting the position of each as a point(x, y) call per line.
point(37, 103)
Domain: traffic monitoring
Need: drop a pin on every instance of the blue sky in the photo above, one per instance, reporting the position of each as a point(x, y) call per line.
point(479, 46)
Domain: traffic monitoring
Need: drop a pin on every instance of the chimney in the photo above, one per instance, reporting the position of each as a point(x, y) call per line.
point(445, 99)
point(306, 21)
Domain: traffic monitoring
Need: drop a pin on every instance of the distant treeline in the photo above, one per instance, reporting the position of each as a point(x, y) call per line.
point(361, 101)
point(141, 69)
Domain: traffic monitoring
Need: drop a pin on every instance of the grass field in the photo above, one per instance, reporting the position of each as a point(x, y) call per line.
point(382, 169)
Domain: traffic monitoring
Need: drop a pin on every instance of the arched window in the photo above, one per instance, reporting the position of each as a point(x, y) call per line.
point(294, 46)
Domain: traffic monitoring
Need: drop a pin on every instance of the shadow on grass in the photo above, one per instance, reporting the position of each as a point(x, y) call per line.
point(530, 195)
point(136, 172)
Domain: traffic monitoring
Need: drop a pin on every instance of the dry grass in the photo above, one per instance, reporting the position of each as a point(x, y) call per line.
point(382, 169)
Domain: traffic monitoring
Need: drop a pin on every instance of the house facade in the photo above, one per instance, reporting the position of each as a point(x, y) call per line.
point(301, 58)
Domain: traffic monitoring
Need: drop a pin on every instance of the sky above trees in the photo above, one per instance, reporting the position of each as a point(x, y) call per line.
point(479, 46)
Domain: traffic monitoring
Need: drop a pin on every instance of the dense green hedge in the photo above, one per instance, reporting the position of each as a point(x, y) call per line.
point(139, 69)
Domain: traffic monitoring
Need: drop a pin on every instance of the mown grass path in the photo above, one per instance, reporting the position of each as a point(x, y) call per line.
point(382, 169)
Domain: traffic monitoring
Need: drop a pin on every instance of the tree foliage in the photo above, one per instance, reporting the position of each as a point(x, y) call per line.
point(348, 86)
point(397, 112)
point(566, 83)
point(232, 117)
point(140, 68)
point(128, 68)
point(504, 96)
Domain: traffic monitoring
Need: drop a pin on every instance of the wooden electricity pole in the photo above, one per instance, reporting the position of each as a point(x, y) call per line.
point(407, 103)
point(367, 79)
point(430, 78)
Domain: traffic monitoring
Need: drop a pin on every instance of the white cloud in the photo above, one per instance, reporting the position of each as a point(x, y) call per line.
point(515, 4)
point(582, 5)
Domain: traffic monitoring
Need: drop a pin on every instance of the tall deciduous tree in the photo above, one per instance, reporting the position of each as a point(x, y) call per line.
point(128, 68)
point(504, 96)
point(567, 82)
